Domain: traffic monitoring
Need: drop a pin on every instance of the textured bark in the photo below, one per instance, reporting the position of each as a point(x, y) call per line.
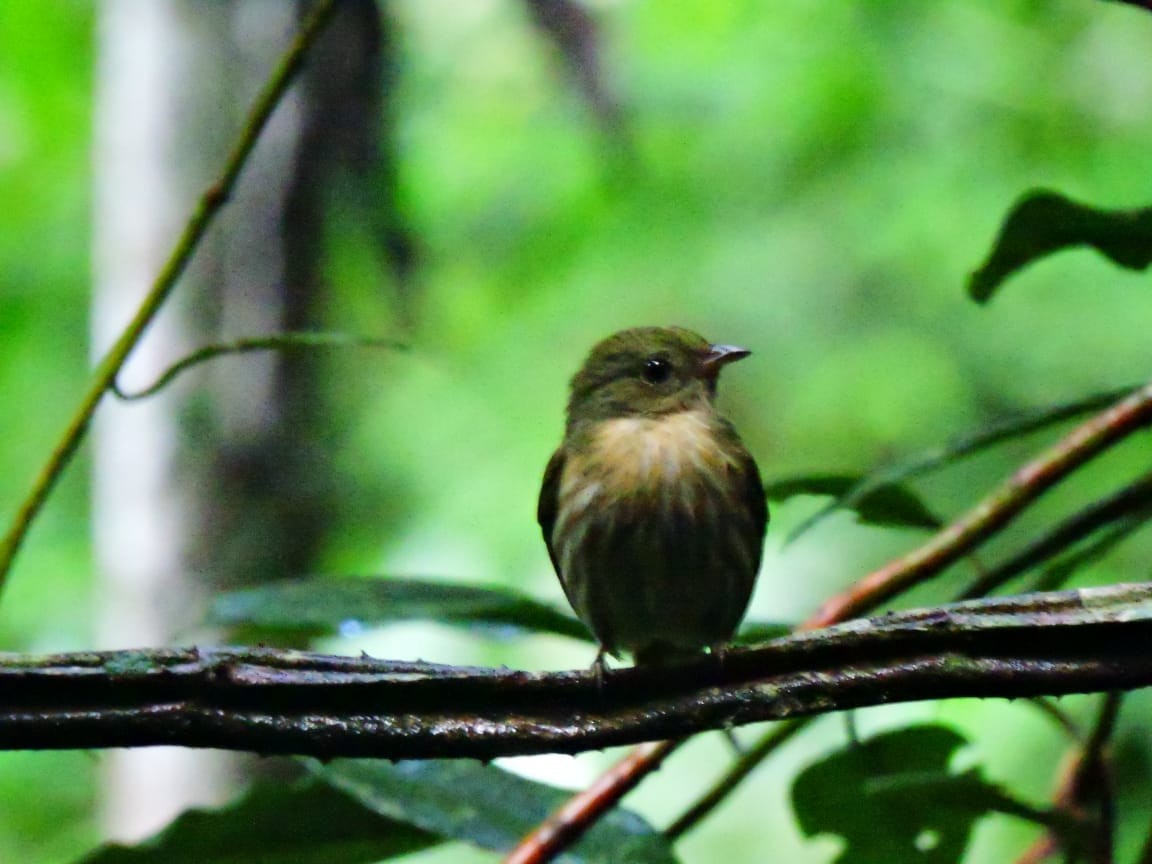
point(269, 701)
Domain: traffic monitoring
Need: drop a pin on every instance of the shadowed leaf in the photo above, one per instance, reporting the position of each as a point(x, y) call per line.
point(1044, 222)
point(752, 632)
point(332, 605)
point(897, 782)
point(306, 823)
point(487, 806)
point(886, 504)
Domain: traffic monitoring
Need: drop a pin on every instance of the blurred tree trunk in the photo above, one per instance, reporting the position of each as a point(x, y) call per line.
point(222, 479)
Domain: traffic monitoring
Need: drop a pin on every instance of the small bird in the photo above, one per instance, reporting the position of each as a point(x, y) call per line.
point(652, 509)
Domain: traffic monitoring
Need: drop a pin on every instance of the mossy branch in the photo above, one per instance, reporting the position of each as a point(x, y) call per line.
point(272, 701)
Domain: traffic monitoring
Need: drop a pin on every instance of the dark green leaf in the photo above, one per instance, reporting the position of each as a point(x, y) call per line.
point(274, 823)
point(1044, 222)
point(329, 605)
point(886, 504)
point(892, 798)
point(486, 806)
point(752, 632)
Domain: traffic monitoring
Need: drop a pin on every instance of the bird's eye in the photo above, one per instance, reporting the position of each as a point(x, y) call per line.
point(657, 370)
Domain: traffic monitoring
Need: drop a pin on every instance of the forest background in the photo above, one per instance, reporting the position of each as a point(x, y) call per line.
point(815, 185)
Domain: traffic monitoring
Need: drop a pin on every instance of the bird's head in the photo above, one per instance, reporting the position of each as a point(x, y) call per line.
point(648, 371)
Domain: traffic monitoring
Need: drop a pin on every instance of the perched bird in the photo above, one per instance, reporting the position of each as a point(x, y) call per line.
point(652, 509)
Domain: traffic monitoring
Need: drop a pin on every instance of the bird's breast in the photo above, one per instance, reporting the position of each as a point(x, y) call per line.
point(635, 458)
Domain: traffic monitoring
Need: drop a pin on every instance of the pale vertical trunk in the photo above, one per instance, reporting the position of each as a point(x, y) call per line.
point(171, 87)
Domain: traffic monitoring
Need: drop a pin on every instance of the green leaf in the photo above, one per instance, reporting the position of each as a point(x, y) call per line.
point(295, 824)
point(892, 798)
point(1043, 222)
point(752, 632)
point(331, 605)
point(886, 504)
point(486, 806)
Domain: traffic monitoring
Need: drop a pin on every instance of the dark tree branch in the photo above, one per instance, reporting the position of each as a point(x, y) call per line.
point(271, 701)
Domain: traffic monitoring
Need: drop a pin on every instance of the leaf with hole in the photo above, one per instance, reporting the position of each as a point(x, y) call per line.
point(893, 798)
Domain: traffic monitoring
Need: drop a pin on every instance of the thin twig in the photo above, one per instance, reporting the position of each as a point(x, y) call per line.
point(1135, 498)
point(1145, 856)
point(993, 513)
point(1085, 780)
point(772, 740)
point(579, 813)
point(1096, 776)
point(1058, 716)
point(210, 203)
point(1056, 575)
point(275, 342)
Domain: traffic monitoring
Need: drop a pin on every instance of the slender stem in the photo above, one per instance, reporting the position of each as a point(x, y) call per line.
point(1058, 716)
point(1145, 856)
point(1085, 779)
point(1058, 822)
point(275, 342)
point(1096, 775)
point(1135, 498)
point(772, 740)
point(209, 205)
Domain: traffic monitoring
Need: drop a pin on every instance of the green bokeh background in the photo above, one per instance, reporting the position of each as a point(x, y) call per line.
point(812, 181)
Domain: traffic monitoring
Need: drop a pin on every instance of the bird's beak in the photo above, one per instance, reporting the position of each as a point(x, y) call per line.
point(719, 356)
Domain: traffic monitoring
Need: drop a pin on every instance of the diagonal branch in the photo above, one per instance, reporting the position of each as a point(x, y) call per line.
point(273, 701)
point(1134, 501)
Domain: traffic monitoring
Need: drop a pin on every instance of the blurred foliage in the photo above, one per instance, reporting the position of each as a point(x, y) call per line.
point(814, 184)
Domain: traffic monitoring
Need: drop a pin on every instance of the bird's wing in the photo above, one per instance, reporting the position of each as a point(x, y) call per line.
point(753, 499)
point(549, 503)
point(754, 492)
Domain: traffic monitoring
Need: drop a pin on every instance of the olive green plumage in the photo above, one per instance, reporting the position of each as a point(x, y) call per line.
point(652, 509)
